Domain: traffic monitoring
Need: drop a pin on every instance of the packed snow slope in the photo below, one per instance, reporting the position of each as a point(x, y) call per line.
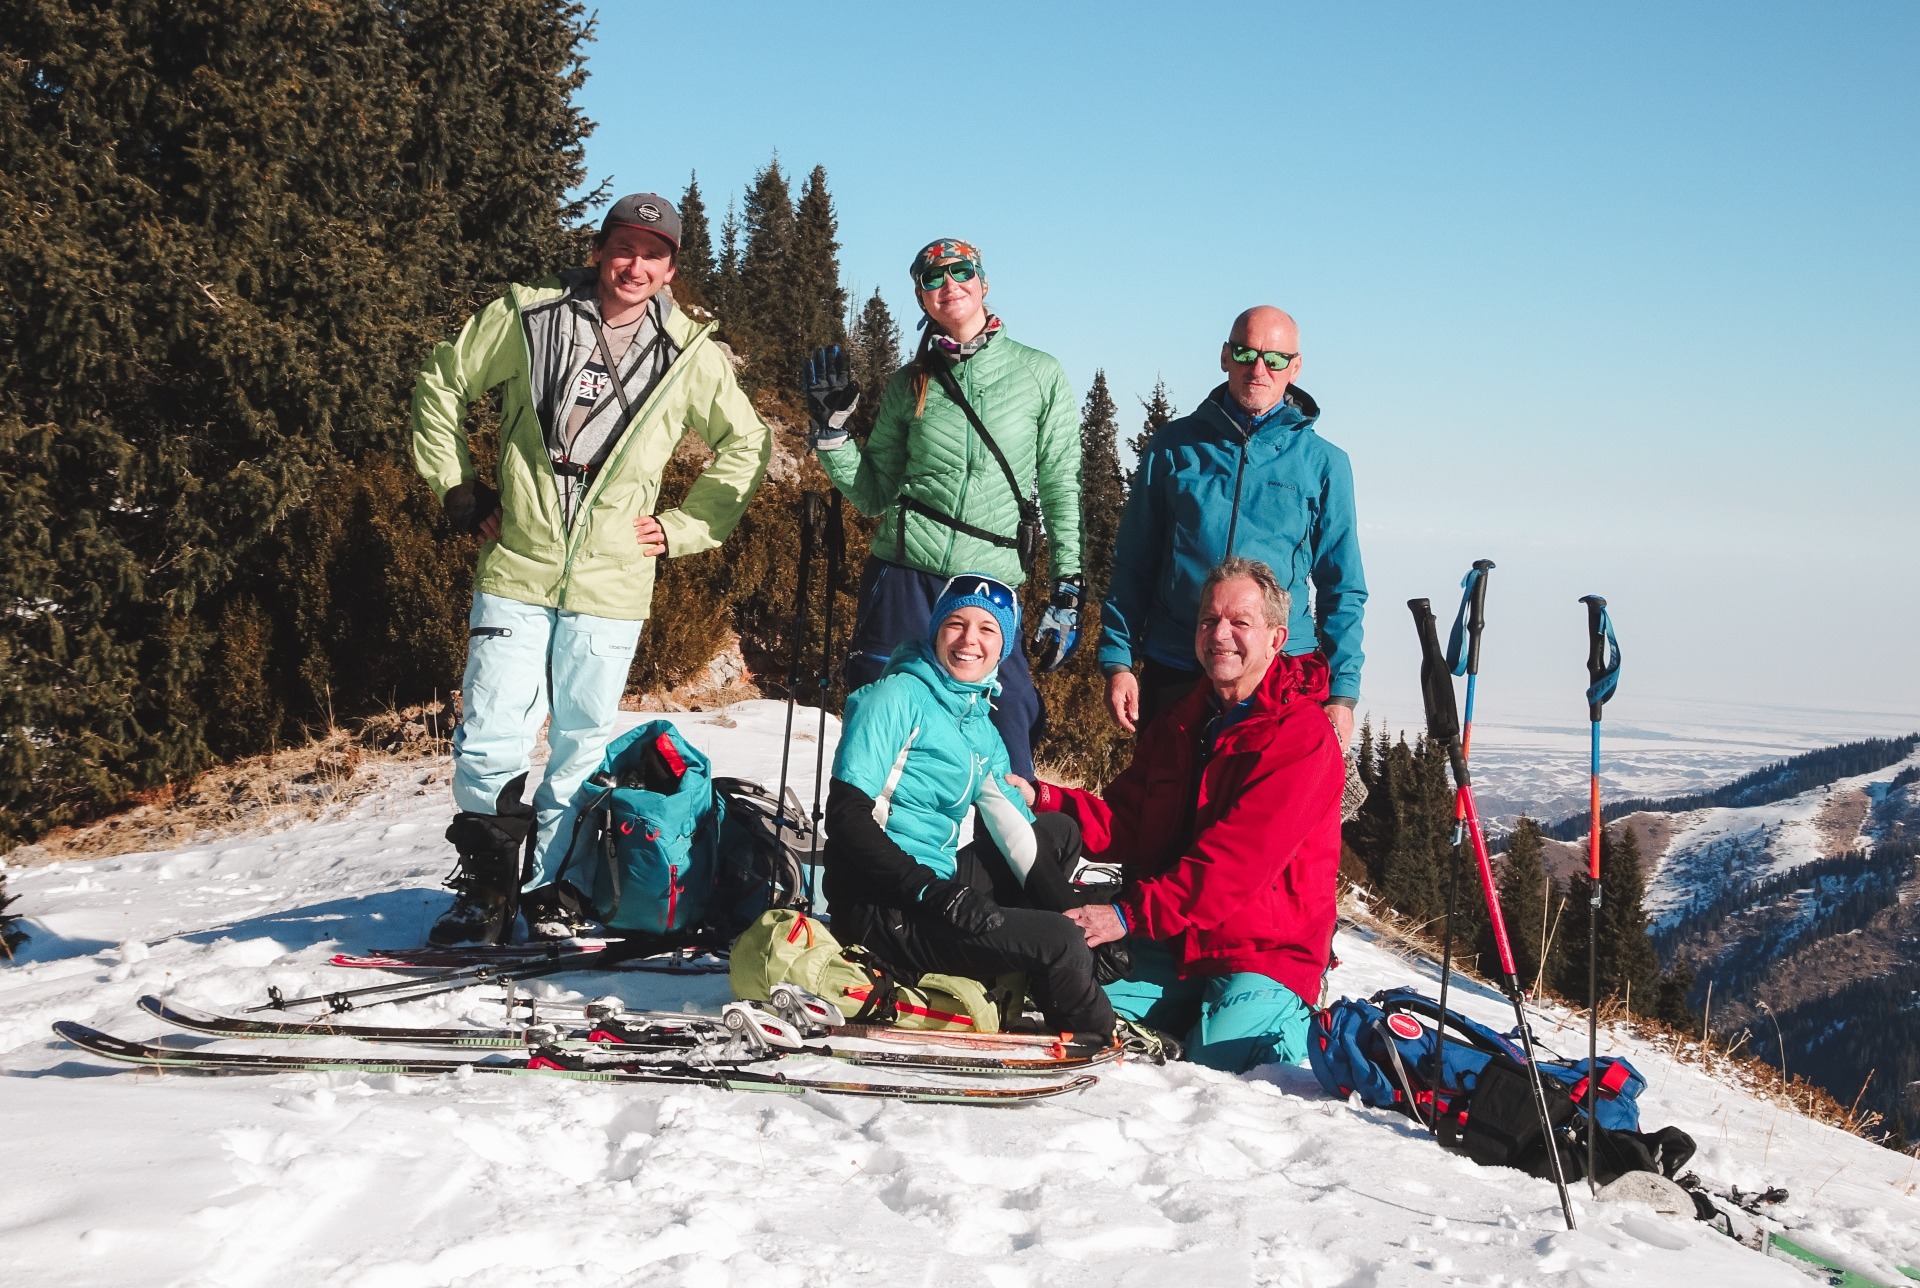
point(1157, 1175)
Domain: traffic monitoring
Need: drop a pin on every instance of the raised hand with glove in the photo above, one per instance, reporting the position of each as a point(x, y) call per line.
point(961, 906)
point(832, 395)
point(1059, 631)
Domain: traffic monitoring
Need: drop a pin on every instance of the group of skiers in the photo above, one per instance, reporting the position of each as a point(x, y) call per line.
point(1230, 637)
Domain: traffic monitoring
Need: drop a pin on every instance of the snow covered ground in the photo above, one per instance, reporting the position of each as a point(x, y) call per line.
point(1155, 1176)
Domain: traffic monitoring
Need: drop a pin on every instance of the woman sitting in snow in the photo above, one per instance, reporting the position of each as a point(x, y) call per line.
point(918, 751)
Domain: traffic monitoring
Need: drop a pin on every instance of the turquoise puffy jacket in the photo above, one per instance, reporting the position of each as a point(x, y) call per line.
point(923, 746)
point(935, 458)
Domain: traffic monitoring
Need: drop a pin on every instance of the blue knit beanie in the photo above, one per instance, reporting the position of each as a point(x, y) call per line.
point(977, 590)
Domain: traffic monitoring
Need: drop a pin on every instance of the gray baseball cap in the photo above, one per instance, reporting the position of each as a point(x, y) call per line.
point(648, 210)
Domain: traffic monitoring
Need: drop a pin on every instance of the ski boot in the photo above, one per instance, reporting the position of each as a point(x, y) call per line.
point(486, 885)
point(1142, 1043)
point(553, 913)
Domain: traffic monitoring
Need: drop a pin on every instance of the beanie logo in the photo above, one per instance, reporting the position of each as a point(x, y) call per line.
point(648, 212)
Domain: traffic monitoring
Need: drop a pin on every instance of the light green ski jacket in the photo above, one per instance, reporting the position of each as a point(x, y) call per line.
point(596, 567)
point(937, 460)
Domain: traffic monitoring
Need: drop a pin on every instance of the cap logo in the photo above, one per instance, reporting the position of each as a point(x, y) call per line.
point(1404, 1026)
point(648, 211)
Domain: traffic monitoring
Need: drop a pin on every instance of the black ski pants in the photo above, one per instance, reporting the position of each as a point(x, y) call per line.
point(1034, 938)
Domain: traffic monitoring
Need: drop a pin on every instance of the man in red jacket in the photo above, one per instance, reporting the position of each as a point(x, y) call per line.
point(1227, 824)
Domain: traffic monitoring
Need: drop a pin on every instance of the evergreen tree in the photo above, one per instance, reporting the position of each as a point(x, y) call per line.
point(693, 266)
point(1083, 741)
point(766, 313)
point(819, 301)
point(1102, 494)
point(1673, 1006)
point(1624, 956)
point(1526, 904)
point(726, 274)
point(173, 431)
point(874, 341)
point(1159, 408)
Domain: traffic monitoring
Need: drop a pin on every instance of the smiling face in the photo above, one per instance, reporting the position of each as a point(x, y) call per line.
point(968, 644)
point(1256, 386)
point(1234, 641)
point(959, 308)
point(634, 264)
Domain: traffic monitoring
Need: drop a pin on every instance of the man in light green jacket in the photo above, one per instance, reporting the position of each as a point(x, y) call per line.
point(600, 376)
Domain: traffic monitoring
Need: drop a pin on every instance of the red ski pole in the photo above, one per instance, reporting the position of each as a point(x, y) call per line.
point(1443, 726)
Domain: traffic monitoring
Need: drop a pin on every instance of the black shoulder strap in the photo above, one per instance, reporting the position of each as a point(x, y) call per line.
point(944, 374)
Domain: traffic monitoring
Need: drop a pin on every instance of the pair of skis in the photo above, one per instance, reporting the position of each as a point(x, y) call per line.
point(1445, 727)
point(740, 1050)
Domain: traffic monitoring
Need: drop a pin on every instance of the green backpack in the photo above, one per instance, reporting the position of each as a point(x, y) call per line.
point(786, 946)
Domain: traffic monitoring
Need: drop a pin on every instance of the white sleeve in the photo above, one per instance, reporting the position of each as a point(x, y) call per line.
point(1008, 827)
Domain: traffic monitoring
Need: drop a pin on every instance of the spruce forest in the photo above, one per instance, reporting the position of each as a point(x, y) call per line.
point(224, 271)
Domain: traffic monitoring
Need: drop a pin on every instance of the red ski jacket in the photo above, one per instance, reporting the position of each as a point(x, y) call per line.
point(1236, 863)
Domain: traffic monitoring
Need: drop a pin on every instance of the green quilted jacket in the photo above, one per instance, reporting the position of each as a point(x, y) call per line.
point(1023, 397)
point(596, 567)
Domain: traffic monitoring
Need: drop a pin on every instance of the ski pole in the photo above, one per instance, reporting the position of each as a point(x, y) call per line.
point(810, 521)
point(1467, 625)
point(1603, 674)
point(836, 543)
point(1443, 726)
point(459, 977)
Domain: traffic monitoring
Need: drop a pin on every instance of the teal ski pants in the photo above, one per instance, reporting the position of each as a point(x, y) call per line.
point(1229, 1022)
point(524, 663)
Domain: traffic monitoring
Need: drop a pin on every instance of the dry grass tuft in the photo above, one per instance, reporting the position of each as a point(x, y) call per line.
point(256, 793)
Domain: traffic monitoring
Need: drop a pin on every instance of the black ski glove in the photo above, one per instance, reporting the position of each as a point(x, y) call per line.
point(962, 907)
point(469, 504)
point(832, 394)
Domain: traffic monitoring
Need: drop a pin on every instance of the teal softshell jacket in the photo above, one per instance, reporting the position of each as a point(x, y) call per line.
point(922, 744)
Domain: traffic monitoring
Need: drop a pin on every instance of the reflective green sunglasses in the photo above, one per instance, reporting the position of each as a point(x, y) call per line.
point(936, 277)
point(1275, 360)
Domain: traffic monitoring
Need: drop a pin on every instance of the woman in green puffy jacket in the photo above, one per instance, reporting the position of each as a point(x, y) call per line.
point(950, 498)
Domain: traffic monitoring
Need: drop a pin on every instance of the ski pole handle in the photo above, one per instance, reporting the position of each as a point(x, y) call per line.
point(1477, 614)
point(1436, 689)
point(1598, 629)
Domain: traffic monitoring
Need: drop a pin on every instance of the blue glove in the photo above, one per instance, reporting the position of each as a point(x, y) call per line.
point(832, 395)
point(1059, 631)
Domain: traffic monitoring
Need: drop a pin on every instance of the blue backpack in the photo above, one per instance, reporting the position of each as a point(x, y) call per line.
point(1476, 1092)
point(654, 821)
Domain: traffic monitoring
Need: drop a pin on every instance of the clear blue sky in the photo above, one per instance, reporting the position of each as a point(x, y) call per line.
point(1622, 297)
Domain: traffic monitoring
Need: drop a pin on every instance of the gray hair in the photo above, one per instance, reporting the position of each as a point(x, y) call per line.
point(1278, 603)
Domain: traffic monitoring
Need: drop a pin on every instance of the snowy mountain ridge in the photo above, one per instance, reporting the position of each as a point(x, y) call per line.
point(1157, 1174)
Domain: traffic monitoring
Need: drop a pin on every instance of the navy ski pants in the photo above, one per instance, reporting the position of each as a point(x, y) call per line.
point(895, 605)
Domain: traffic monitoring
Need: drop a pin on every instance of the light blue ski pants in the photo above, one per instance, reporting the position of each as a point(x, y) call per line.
point(525, 662)
point(1230, 1022)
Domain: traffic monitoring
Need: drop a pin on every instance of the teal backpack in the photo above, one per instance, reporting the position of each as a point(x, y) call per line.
point(653, 822)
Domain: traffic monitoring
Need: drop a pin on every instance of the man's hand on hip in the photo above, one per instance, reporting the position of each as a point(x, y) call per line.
point(1123, 699)
point(1342, 717)
point(1100, 921)
point(653, 542)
